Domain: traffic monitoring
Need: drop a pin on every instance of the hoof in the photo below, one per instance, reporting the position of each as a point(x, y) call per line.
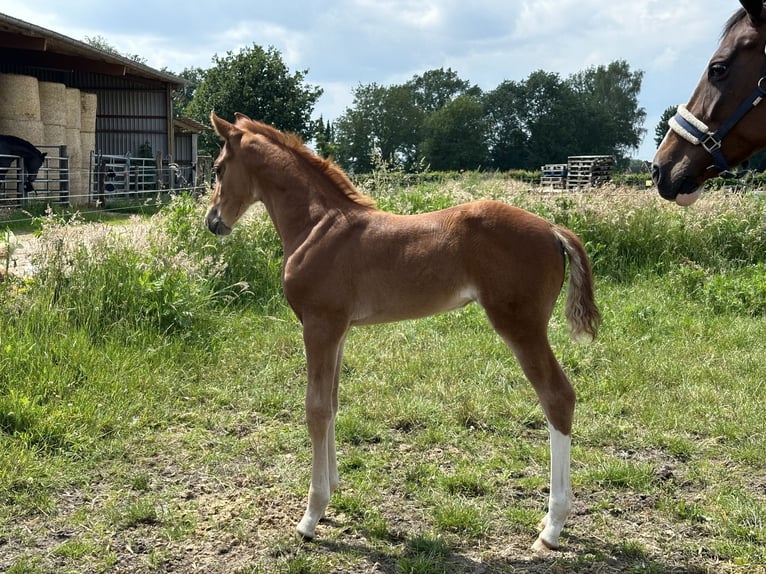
point(542, 547)
point(305, 532)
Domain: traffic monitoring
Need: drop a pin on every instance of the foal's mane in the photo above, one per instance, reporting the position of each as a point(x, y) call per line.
point(295, 144)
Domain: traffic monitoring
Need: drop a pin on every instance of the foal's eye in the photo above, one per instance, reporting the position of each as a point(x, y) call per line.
point(717, 71)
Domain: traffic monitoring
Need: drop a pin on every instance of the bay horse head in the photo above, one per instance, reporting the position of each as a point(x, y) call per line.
point(723, 124)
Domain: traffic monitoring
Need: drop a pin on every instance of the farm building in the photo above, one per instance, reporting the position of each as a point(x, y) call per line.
point(105, 121)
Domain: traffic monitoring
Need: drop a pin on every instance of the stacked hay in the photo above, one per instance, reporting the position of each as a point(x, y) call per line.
point(20, 108)
point(54, 117)
point(77, 190)
point(88, 105)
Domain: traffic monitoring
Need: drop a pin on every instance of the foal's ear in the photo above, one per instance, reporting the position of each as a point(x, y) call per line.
point(223, 128)
point(240, 116)
point(754, 8)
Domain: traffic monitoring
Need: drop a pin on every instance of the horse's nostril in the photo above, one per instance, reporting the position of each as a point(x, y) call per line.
point(656, 174)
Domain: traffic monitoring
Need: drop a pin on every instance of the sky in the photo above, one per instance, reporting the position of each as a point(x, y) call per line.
point(342, 44)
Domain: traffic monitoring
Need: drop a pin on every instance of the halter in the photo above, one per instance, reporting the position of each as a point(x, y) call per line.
point(697, 132)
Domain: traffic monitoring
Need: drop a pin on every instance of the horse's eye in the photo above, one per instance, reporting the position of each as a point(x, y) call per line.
point(717, 71)
point(217, 170)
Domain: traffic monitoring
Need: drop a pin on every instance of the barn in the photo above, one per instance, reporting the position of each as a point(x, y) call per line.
point(105, 121)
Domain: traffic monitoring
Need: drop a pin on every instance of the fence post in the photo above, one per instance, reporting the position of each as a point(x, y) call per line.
point(22, 191)
point(101, 194)
point(63, 175)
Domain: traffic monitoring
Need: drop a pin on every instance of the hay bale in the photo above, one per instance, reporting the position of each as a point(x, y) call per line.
point(53, 104)
point(88, 106)
point(74, 152)
point(87, 145)
point(53, 113)
point(73, 114)
point(19, 97)
point(54, 136)
point(30, 130)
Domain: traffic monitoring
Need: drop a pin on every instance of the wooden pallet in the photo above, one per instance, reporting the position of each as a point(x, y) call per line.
point(549, 183)
point(553, 176)
point(589, 170)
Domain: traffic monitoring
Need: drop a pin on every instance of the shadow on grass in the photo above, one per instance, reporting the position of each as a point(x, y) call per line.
point(423, 554)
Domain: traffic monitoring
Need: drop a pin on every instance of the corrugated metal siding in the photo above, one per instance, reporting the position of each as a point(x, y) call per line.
point(127, 120)
point(183, 150)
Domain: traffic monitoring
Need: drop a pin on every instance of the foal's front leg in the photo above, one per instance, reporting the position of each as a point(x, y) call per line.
point(324, 344)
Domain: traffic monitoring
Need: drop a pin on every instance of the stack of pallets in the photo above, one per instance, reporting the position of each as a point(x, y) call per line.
point(554, 176)
point(589, 170)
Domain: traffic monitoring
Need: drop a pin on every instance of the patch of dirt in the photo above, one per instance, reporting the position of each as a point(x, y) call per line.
point(238, 515)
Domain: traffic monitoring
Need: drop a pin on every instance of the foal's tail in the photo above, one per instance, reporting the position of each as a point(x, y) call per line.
point(581, 310)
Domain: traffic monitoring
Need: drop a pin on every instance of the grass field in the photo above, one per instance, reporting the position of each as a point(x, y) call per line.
point(151, 405)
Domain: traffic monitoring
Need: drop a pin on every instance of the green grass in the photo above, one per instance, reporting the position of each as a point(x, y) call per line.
point(151, 407)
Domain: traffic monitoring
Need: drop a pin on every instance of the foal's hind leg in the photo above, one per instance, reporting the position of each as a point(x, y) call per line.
point(557, 398)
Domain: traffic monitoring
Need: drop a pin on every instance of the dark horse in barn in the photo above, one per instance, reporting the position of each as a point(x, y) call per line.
point(723, 123)
point(11, 148)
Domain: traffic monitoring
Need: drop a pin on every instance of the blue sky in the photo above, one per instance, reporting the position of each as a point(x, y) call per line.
point(345, 43)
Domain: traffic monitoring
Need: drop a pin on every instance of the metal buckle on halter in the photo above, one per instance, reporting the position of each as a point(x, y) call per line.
point(711, 147)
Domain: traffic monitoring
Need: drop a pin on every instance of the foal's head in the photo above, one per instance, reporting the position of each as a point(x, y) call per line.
point(735, 75)
point(258, 159)
point(236, 188)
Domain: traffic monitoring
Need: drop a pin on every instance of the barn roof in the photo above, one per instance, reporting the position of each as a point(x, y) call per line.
point(188, 125)
point(28, 44)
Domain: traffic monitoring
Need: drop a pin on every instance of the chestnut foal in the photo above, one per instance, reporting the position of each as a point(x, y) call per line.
point(347, 263)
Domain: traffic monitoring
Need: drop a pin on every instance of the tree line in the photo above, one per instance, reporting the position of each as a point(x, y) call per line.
point(437, 118)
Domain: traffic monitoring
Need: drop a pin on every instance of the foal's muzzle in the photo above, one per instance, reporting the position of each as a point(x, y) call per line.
point(215, 224)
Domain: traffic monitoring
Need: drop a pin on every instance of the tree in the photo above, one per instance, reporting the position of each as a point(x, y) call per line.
point(325, 139)
point(434, 89)
point(356, 131)
point(662, 128)
point(382, 120)
point(257, 83)
point(455, 135)
point(612, 120)
point(505, 126)
point(551, 115)
point(389, 121)
point(183, 96)
point(545, 119)
point(103, 44)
